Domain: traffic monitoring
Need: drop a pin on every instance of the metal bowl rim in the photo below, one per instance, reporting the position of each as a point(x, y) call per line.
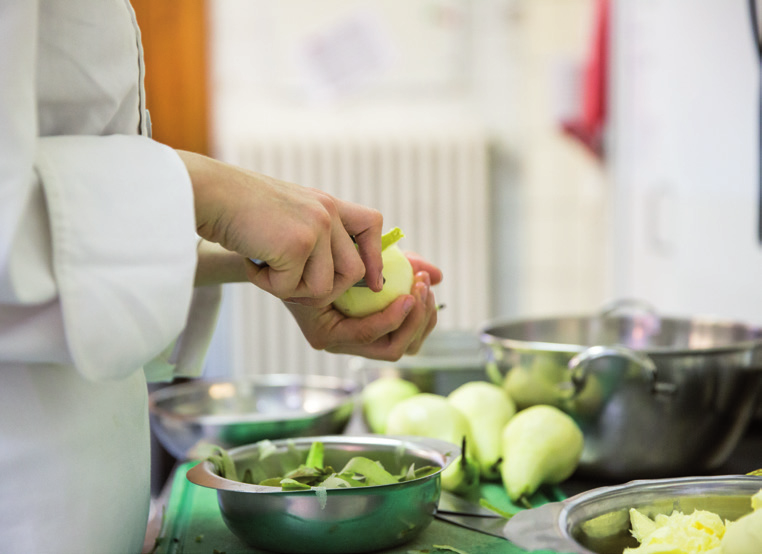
point(675, 484)
point(549, 526)
point(488, 338)
point(202, 474)
point(347, 387)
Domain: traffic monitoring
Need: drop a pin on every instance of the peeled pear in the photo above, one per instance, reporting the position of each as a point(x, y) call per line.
point(541, 445)
point(431, 415)
point(398, 280)
point(744, 536)
point(380, 396)
point(487, 408)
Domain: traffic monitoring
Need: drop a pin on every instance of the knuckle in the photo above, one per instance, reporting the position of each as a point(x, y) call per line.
point(376, 217)
point(323, 219)
point(303, 243)
point(321, 296)
point(323, 210)
point(319, 288)
point(282, 292)
point(356, 270)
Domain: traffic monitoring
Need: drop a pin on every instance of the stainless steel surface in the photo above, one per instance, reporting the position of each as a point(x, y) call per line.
point(487, 525)
point(655, 397)
point(598, 521)
point(353, 520)
point(236, 413)
point(446, 360)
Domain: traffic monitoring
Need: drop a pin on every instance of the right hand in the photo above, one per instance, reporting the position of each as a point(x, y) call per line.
point(399, 329)
point(302, 234)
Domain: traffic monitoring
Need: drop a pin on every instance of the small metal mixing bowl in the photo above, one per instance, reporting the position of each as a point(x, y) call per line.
point(446, 360)
point(234, 413)
point(598, 521)
point(332, 521)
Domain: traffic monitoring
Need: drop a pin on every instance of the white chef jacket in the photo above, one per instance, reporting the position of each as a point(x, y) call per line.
point(97, 259)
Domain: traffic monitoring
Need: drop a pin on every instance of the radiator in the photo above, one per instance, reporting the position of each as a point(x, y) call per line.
point(434, 187)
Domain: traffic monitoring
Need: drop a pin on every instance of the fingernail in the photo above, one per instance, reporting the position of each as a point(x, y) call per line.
point(380, 280)
point(408, 305)
point(424, 277)
point(423, 290)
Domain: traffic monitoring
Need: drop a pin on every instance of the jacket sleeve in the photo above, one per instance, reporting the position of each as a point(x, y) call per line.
point(97, 233)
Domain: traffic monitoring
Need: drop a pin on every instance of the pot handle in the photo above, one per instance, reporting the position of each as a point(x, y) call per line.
point(579, 366)
point(651, 322)
point(628, 304)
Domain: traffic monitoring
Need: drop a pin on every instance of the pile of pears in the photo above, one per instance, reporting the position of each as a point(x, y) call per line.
point(525, 449)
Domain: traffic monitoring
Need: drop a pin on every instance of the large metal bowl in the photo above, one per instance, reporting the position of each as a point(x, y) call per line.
point(654, 397)
point(233, 413)
point(351, 520)
point(598, 521)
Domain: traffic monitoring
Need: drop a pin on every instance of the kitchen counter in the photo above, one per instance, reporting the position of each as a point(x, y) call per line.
point(192, 522)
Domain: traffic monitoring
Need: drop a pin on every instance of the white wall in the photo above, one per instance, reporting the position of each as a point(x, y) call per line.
point(490, 63)
point(686, 147)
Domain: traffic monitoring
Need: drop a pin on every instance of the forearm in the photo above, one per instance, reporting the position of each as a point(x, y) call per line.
point(304, 235)
point(217, 266)
point(207, 177)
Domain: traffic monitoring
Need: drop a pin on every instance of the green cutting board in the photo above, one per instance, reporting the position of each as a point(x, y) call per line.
point(192, 524)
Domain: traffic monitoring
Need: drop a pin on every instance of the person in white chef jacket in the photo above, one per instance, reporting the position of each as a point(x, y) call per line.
point(99, 255)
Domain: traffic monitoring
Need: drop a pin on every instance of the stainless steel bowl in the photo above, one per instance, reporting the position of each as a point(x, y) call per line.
point(654, 397)
point(233, 413)
point(598, 521)
point(353, 520)
point(446, 360)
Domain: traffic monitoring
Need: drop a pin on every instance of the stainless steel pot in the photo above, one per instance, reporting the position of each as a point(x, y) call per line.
point(654, 396)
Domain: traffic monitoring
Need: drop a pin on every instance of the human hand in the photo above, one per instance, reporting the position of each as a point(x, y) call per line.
point(387, 335)
point(302, 234)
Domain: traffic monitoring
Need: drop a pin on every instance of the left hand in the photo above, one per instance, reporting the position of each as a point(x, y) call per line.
point(387, 335)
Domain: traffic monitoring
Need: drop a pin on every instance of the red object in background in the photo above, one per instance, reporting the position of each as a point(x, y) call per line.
point(590, 124)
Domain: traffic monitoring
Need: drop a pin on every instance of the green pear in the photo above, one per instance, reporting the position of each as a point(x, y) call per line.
point(537, 382)
point(431, 415)
point(487, 408)
point(462, 477)
point(541, 445)
point(380, 396)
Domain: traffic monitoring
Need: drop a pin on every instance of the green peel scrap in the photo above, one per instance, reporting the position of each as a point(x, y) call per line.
point(391, 237)
point(223, 463)
point(314, 474)
point(374, 472)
